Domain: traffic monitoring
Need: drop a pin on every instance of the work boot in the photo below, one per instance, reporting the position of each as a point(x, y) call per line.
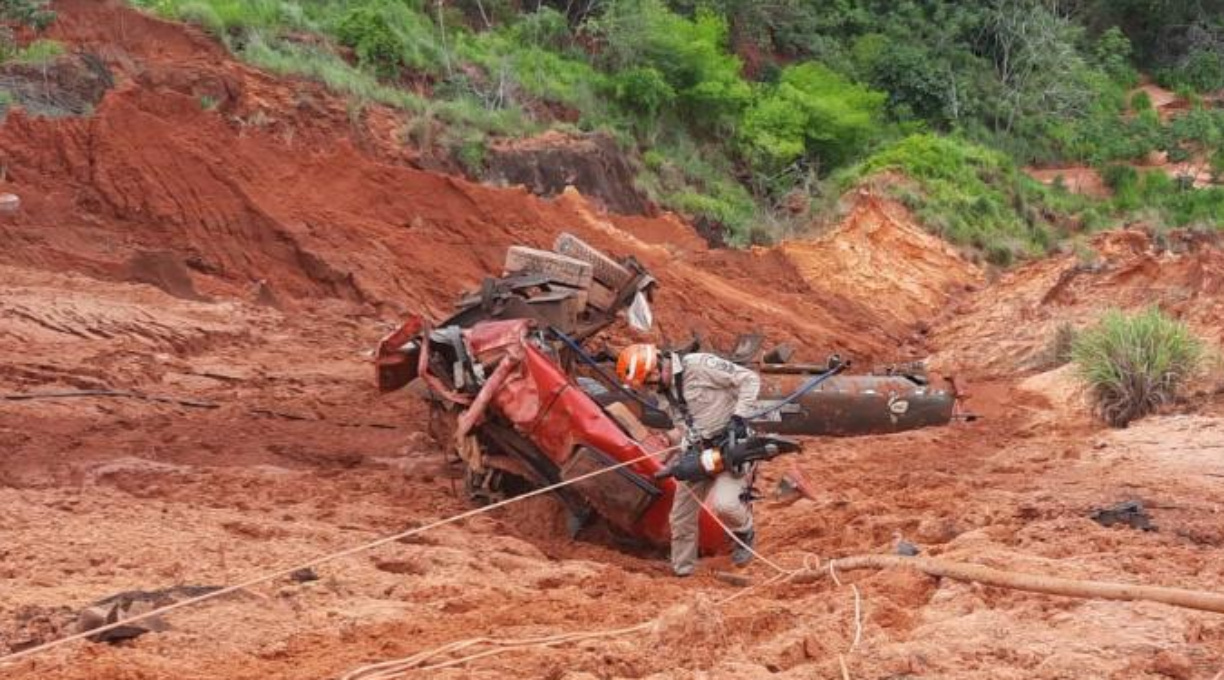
point(741, 555)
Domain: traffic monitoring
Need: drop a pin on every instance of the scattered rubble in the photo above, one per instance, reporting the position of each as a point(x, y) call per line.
point(1129, 513)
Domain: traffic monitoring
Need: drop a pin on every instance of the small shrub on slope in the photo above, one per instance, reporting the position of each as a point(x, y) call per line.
point(1134, 363)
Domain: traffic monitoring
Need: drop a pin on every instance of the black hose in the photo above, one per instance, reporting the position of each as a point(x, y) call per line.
point(812, 383)
point(590, 361)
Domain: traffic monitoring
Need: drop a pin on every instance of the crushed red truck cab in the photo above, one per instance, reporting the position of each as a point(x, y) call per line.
point(527, 414)
point(531, 421)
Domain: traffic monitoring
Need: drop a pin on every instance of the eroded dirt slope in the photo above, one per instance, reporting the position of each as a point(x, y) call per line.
point(1012, 329)
point(239, 178)
point(239, 261)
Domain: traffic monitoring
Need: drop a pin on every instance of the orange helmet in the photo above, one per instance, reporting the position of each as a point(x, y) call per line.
point(635, 363)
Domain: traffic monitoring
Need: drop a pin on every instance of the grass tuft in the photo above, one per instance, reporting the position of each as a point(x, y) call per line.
point(1134, 363)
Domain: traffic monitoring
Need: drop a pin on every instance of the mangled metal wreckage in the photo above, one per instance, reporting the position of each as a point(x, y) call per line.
point(531, 408)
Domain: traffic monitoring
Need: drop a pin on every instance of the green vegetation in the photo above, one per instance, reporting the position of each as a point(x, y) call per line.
point(16, 14)
point(32, 13)
point(971, 195)
point(811, 115)
point(734, 108)
point(1181, 42)
point(689, 56)
point(1134, 363)
point(39, 53)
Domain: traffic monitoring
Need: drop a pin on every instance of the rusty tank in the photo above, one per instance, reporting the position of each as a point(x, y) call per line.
point(851, 405)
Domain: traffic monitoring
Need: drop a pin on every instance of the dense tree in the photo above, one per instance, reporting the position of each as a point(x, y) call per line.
point(812, 115)
point(690, 54)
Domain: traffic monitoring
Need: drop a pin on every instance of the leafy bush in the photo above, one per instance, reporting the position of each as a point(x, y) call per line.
point(470, 151)
point(1112, 52)
point(1123, 180)
point(545, 28)
point(388, 35)
point(1134, 363)
point(522, 73)
point(1202, 70)
point(691, 54)
point(1099, 133)
point(1141, 102)
point(910, 75)
point(971, 195)
point(1181, 208)
point(643, 91)
point(40, 52)
point(1216, 160)
point(653, 160)
point(812, 113)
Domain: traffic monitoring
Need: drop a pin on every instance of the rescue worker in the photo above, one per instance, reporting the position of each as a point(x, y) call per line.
point(711, 395)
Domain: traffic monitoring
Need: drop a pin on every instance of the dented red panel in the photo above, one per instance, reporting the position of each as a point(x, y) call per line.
point(496, 382)
point(489, 340)
point(394, 366)
point(519, 397)
point(569, 418)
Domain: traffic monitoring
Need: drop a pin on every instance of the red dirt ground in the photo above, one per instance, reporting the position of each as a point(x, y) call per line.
point(250, 261)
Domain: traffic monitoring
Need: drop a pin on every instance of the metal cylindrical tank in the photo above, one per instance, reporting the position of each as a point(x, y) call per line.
point(848, 405)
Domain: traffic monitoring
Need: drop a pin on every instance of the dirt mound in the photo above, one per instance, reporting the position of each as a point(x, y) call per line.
point(1013, 329)
point(883, 260)
point(547, 164)
point(68, 86)
point(162, 270)
point(782, 291)
point(1166, 103)
point(1077, 179)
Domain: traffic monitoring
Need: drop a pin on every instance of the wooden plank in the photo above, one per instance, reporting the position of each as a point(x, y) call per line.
point(558, 268)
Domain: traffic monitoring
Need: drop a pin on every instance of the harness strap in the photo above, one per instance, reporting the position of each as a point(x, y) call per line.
point(676, 392)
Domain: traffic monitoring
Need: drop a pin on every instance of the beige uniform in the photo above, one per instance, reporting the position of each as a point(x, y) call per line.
point(714, 389)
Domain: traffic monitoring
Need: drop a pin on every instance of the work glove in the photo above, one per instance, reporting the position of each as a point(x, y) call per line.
point(738, 428)
point(685, 468)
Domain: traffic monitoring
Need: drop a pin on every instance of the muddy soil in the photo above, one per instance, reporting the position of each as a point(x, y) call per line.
point(548, 163)
point(299, 458)
point(241, 264)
